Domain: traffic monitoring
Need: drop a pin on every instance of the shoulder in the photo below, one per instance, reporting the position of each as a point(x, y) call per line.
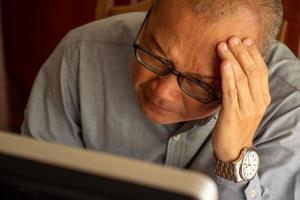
point(119, 29)
point(284, 82)
point(93, 43)
point(284, 85)
point(282, 118)
point(284, 66)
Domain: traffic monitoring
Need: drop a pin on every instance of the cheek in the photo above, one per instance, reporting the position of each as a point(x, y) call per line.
point(140, 75)
point(197, 110)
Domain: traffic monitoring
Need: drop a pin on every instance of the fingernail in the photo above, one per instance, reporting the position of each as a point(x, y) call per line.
point(235, 41)
point(224, 46)
point(248, 42)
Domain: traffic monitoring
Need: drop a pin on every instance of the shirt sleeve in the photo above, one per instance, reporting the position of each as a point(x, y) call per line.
point(277, 142)
point(251, 190)
point(278, 145)
point(52, 112)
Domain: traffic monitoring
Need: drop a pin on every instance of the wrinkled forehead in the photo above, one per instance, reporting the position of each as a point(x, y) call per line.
point(180, 18)
point(190, 38)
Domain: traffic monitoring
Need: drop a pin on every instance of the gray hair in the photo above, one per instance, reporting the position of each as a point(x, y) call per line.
point(268, 13)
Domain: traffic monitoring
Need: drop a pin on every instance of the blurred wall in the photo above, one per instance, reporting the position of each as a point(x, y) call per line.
point(3, 92)
point(32, 29)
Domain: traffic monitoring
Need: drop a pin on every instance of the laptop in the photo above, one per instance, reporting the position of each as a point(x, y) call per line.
point(37, 170)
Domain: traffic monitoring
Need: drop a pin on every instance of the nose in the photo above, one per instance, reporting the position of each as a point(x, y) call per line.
point(165, 88)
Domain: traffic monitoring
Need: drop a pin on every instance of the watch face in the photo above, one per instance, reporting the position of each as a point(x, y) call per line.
point(250, 165)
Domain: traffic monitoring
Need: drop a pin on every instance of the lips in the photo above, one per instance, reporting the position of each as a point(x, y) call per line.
point(155, 107)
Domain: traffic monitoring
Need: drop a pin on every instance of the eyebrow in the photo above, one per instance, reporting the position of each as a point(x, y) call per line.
point(197, 76)
point(160, 49)
point(202, 76)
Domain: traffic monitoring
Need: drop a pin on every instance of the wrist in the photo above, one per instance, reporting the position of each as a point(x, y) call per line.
point(226, 156)
point(229, 154)
point(244, 168)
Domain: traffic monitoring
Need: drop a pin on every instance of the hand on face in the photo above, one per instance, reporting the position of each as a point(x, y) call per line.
point(245, 97)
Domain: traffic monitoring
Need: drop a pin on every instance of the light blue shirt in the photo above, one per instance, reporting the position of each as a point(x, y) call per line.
point(83, 97)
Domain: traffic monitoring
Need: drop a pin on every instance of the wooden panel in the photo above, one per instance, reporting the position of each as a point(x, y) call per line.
point(139, 6)
point(106, 8)
point(102, 8)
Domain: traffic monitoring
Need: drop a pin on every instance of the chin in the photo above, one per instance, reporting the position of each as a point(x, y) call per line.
point(156, 114)
point(158, 118)
point(168, 118)
point(163, 120)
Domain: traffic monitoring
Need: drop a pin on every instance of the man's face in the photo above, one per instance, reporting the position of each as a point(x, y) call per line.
point(174, 32)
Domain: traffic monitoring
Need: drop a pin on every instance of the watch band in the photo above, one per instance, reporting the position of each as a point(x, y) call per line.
point(225, 170)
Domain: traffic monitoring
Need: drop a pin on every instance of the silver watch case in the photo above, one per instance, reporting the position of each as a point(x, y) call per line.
point(246, 166)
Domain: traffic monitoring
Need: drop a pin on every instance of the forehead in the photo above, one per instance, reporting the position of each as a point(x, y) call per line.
point(190, 39)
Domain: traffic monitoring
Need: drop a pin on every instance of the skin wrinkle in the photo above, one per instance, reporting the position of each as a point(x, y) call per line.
point(173, 53)
point(268, 14)
point(193, 65)
point(179, 52)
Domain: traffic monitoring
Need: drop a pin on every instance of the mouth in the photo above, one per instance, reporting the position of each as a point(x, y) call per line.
point(155, 107)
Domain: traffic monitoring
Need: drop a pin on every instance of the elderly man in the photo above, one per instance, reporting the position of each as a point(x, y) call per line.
point(200, 90)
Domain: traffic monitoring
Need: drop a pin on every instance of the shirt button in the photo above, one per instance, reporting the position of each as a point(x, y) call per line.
point(176, 137)
point(253, 193)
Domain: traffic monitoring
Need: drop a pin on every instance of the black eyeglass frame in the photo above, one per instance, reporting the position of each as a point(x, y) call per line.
point(171, 68)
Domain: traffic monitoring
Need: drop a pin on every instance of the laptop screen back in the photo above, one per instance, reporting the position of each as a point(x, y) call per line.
point(33, 170)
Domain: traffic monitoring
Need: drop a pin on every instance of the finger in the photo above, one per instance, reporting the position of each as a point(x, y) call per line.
point(229, 97)
point(254, 52)
point(257, 57)
point(240, 79)
point(254, 73)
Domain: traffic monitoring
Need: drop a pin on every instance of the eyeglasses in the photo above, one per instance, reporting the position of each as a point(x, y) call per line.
point(194, 87)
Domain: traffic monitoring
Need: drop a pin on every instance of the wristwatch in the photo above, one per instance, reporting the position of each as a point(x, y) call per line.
point(242, 169)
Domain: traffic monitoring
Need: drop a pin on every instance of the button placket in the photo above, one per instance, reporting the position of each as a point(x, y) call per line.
point(176, 137)
point(253, 193)
point(174, 150)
